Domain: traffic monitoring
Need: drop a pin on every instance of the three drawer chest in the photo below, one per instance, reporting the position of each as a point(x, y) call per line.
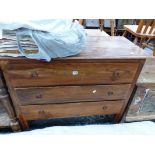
point(98, 81)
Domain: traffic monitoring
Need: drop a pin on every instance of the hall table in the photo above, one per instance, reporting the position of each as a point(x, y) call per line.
point(98, 81)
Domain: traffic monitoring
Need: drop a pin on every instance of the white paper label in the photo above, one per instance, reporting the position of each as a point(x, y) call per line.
point(94, 91)
point(75, 72)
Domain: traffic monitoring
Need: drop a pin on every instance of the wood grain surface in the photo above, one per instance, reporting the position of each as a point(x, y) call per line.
point(71, 73)
point(34, 112)
point(66, 94)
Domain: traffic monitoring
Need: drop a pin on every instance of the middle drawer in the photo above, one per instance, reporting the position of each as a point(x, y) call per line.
point(64, 94)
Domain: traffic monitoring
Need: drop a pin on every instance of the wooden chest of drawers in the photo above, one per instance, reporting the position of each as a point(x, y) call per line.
point(98, 81)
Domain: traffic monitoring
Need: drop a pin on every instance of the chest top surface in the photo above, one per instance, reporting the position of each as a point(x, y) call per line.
point(105, 47)
point(111, 48)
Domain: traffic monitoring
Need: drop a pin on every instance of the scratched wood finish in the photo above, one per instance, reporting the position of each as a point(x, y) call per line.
point(99, 48)
point(71, 74)
point(34, 112)
point(41, 95)
point(105, 61)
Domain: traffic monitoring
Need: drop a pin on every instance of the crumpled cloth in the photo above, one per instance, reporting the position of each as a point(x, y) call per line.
point(54, 38)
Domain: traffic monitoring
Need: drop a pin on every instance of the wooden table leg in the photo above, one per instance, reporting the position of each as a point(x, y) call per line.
point(117, 118)
point(24, 122)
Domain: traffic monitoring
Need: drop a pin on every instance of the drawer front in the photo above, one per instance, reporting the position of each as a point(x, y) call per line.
point(34, 112)
point(62, 94)
point(71, 74)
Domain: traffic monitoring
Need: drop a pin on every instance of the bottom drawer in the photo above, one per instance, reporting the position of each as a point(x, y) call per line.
point(34, 112)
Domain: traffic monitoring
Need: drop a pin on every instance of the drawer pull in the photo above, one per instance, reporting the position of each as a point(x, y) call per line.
point(104, 108)
point(110, 93)
point(38, 96)
point(116, 75)
point(42, 112)
point(34, 74)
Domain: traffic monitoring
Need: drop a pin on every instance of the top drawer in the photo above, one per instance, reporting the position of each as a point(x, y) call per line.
point(57, 73)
